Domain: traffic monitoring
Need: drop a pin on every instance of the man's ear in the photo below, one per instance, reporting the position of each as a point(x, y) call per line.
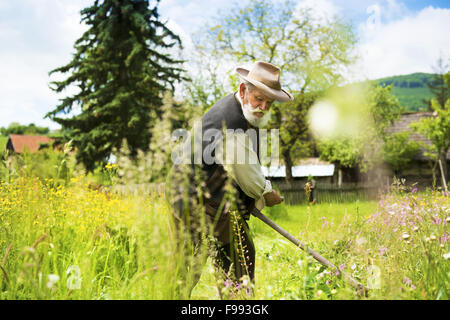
point(242, 90)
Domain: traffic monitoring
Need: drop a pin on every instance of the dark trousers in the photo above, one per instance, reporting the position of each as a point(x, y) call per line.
point(227, 241)
point(239, 253)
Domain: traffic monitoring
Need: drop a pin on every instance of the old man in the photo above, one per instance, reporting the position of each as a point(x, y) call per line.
point(223, 172)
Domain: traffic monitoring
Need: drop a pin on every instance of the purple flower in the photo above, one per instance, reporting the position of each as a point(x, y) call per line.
point(436, 220)
point(342, 266)
point(228, 283)
point(414, 190)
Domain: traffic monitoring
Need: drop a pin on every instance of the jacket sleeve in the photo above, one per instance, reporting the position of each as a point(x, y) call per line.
point(242, 164)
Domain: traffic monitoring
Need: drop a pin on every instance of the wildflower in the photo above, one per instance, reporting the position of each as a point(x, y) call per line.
point(446, 255)
point(228, 283)
point(361, 241)
point(342, 266)
point(432, 237)
point(334, 291)
point(52, 280)
point(382, 251)
point(414, 190)
point(319, 293)
point(405, 236)
point(353, 267)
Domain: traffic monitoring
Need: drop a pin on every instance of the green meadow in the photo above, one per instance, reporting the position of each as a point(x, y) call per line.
point(71, 241)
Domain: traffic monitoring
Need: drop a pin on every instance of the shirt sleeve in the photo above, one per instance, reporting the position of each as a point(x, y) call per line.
point(242, 164)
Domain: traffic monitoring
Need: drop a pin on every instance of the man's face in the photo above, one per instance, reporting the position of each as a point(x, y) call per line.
point(256, 106)
point(258, 102)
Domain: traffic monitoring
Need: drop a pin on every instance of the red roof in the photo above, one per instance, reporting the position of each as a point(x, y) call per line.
point(18, 142)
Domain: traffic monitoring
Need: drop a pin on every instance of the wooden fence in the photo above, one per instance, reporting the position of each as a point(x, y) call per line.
point(326, 192)
point(294, 194)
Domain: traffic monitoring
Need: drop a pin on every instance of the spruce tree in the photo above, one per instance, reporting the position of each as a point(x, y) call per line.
point(121, 66)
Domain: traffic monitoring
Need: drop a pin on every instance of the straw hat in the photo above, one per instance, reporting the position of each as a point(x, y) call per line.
point(266, 77)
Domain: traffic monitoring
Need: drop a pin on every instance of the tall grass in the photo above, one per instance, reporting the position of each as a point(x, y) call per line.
point(73, 242)
point(62, 238)
point(77, 243)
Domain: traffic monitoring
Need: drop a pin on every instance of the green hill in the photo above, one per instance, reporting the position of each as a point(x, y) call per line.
point(410, 89)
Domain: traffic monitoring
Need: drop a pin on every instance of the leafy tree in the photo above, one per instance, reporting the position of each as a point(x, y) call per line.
point(344, 152)
point(374, 143)
point(398, 150)
point(295, 139)
point(310, 53)
point(17, 128)
point(154, 164)
point(121, 67)
point(436, 129)
point(437, 85)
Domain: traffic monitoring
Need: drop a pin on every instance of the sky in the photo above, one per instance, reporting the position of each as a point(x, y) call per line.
point(36, 36)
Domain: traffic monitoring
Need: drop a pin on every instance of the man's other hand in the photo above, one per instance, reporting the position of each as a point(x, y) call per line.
point(272, 198)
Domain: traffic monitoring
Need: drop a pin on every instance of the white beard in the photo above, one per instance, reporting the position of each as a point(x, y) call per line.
point(254, 120)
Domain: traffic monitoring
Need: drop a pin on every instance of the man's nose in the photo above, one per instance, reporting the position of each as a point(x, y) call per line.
point(263, 105)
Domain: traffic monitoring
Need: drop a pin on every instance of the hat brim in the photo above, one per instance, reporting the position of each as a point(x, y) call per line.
point(279, 95)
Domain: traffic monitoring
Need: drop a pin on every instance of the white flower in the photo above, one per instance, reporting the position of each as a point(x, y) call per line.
point(52, 280)
point(353, 267)
point(405, 236)
point(360, 241)
point(446, 255)
point(432, 237)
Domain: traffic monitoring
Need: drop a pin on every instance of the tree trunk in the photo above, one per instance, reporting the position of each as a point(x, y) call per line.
point(339, 177)
point(288, 163)
point(433, 165)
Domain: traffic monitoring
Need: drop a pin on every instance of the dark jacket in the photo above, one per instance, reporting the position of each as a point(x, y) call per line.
point(226, 112)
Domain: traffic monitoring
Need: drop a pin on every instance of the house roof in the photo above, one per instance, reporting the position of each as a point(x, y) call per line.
point(18, 143)
point(310, 166)
point(403, 123)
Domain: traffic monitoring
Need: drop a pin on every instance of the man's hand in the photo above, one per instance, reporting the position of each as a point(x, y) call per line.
point(272, 198)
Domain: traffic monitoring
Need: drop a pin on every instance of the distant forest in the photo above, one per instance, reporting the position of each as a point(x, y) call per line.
point(411, 89)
